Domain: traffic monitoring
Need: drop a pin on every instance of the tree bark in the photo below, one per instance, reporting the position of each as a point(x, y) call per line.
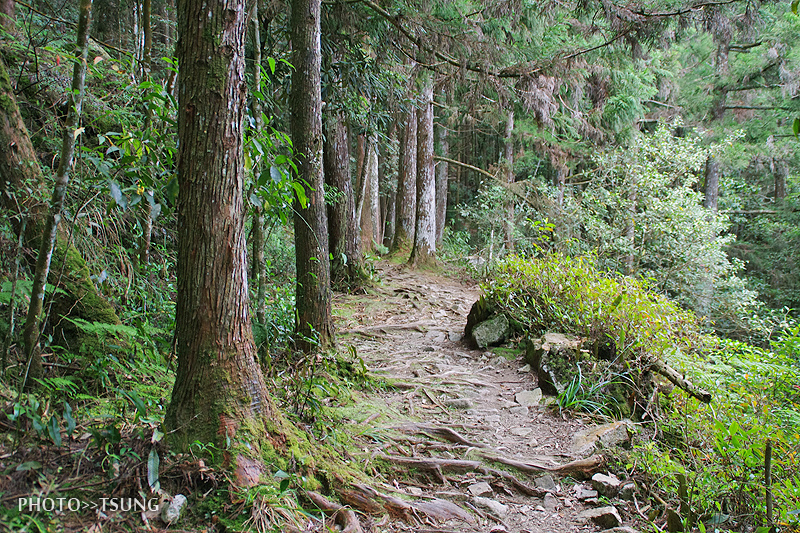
point(442, 171)
point(346, 265)
point(711, 199)
point(7, 16)
point(406, 182)
point(219, 394)
point(781, 173)
point(314, 327)
point(424, 250)
point(369, 197)
point(508, 162)
point(259, 273)
point(30, 335)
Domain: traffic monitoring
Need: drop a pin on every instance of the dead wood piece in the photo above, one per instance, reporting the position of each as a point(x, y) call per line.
point(441, 432)
point(443, 510)
point(346, 518)
point(679, 380)
point(581, 466)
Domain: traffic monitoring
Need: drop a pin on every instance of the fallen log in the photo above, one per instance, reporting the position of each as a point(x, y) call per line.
point(677, 379)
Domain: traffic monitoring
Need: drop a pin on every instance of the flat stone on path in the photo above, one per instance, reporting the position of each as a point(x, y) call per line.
point(529, 398)
point(481, 489)
point(606, 517)
point(498, 509)
point(613, 434)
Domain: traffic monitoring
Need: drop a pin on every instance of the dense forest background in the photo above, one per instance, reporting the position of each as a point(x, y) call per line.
point(656, 142)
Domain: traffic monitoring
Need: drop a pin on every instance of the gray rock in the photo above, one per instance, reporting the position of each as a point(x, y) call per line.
point(620, 529)
point(606, 517)
point(553, 358)
point(171, 510)
point(546, 482)
point(529, 398)
point(607, 435)
point(491, 332)
point(520, 410)
point(627, 491)
point(459, 403)
point(607, 485)
point(582, 492)
point(525, 369)
point(550, 502)
point(481, 489)
point(521, 432)
point(454, 336)
point(492, 506)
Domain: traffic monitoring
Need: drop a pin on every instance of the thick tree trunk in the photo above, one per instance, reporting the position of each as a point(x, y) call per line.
point(30, 335)
point(369, 198)
point(424, 250)
point(346, 265)
point(219, 395)
point(711, 199)
point(314, 326)
point(508, 162)
point(406, 182)
point(442, 171)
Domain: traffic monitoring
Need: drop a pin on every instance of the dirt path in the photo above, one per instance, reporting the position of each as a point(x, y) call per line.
point(409, 328)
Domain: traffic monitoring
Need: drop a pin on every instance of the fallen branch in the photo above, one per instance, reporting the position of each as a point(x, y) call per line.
point(406, 510)
point(678, 380)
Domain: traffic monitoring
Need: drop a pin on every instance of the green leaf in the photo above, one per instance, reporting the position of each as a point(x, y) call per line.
point(794, 9)
point(272, 63)
point(284, 485)
point(54, 430)
point(275, 174)
point(69, 418)
point(152, 470)
point(29, 465)
point(116, 194)
point(796, 123)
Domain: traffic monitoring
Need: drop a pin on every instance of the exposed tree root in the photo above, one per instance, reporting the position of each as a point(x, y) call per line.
point(343, 516)
point(584, 467)
point(437, 466)
point(441, 432)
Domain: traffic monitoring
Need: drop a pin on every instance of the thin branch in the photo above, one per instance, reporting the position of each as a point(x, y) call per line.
point(684, 10)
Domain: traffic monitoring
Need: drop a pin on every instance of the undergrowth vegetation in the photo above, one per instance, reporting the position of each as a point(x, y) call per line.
point(706, 459)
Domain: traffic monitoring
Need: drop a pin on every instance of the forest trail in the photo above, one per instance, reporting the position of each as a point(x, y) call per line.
point(452, 407)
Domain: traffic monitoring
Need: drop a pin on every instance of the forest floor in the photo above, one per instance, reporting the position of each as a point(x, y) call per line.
point(453, 415)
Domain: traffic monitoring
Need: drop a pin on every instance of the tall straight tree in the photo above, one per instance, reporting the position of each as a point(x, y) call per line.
point(69, 135)
point(314, 328)
point(406, 208)
point(219, 394)
point(424, 250)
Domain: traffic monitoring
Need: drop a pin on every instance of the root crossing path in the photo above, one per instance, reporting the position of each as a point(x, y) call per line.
point(453, 436)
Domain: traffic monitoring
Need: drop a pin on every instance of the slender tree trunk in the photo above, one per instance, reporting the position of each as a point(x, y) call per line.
point(259, 260)
point(346, 264)
point(711, 199)
point(781, 173)
point(31, 332)
point(424, 250)
point(442, 171)
point(310, 223)
point(219, 396)
point(407, 182)
point(369, 195)
point(508, 162)
point(390, 176)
